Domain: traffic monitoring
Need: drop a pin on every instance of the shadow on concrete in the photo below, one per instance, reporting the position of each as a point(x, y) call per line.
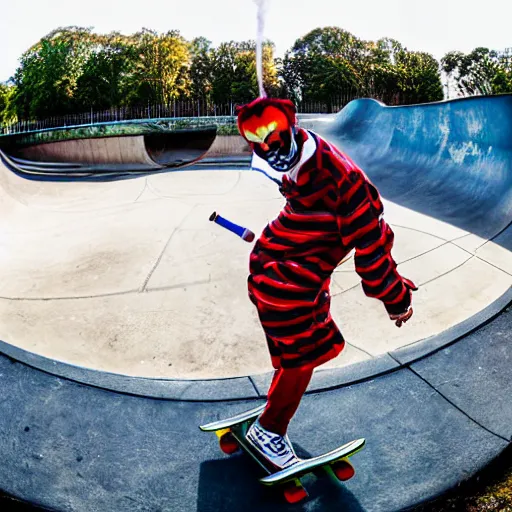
point(232, 484)
point(11, 504)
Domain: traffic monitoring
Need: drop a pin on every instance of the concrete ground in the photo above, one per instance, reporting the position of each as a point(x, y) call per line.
point(131, 277)
point(435, 409)
point(429, 426)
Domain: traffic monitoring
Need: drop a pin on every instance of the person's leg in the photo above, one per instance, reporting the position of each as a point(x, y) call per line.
point(268, 433)
point(285, 393)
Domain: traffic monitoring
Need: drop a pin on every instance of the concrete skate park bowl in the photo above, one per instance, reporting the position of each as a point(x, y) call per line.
point(114, 149)
point(125, 323)
point(154, 151)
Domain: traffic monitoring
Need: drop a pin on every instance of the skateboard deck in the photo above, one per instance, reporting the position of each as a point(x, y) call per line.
point(231, 433)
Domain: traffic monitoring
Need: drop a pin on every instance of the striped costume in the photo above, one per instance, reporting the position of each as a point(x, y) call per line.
point(331, 208)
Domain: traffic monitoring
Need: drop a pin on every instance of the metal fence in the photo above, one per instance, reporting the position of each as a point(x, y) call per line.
point(175, 109)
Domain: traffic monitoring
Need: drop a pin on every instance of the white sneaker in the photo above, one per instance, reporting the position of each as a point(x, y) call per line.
point(274, 447)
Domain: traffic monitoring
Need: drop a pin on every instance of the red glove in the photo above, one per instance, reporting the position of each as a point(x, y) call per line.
point(402, 318)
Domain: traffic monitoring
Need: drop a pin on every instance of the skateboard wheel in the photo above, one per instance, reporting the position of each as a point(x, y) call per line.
point(343, 470)
point(228, 444)
point(295, 492)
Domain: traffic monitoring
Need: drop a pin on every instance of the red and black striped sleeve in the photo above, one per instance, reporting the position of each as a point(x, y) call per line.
point(363, 228)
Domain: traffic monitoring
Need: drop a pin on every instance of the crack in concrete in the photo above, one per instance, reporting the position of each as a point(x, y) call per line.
point(455, 406)
point(350, 344)
point(42, 299)
point(159, 259)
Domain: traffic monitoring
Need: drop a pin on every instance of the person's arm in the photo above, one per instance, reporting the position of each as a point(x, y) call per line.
point(363, 227)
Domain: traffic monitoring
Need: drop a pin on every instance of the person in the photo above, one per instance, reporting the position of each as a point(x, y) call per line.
point(331, 209)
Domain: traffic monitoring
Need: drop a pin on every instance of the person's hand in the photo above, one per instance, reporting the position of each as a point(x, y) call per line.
point(402, 318)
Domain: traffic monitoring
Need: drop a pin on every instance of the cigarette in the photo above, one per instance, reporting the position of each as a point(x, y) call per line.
point(244, 233)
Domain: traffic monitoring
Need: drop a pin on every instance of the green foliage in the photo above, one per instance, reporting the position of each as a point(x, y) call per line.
point(7, 106)
point(502, 80)
point(327, 62)
point(233, 72)
point(321, 65)
point(74, 70)
point(159, 72)
point(46, 80)
point(201, 70)
point(481, 71)
point(103, 82)
point(420, 80)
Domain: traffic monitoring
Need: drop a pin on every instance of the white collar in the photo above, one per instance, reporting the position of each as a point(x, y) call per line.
point(308, 150)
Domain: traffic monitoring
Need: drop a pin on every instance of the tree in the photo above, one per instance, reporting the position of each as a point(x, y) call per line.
point(234, 74)
point(73, 70)
point(322, 64)
point(7, 107)
point(160, 73)
point(46, 80)
point(473, 73)
point(224, 67)
point(330, 41)
point(419, 77)
point(271, 82)
point(201, 69)
point(104, 79)
point(379, 76)
point(502, 81)
point(328, 62)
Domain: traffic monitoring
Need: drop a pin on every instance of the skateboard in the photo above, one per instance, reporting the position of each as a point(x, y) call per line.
point(231, 436)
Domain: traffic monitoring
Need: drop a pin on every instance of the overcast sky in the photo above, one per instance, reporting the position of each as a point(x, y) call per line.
point(435, 26)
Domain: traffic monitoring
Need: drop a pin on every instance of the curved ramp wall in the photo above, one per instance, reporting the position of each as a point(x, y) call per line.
point(451, 160)
point(119, 150)
point(153, 150)
point(180, 147)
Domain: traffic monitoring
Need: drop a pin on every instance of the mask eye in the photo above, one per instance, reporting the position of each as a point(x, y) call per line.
point(274, 146)
point(277, 139)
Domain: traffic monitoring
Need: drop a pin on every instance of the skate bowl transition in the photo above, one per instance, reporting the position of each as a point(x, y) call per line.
point(125, 321)
point(148, 149)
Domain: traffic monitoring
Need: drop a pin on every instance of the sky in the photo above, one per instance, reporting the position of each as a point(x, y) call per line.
point(434, 26)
